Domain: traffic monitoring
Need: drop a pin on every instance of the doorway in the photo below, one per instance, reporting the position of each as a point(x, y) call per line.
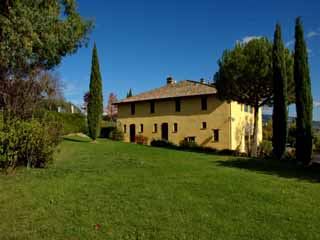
point(164, 131)
point(132, 133)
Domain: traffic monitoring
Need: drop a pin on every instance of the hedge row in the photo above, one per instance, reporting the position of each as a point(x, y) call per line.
point(70, 122)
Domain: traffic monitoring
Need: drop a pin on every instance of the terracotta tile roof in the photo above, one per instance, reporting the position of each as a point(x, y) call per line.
point(181, 89)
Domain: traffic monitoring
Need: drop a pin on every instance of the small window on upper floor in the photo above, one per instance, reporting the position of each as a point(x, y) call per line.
point(175, 127)
point(204, 103)
point(133, 109)
point(216, 136)
point(178, 105)
point(204, 125)
point(152, 107)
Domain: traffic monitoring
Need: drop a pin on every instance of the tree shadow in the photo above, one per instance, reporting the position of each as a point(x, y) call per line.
point(285, 169)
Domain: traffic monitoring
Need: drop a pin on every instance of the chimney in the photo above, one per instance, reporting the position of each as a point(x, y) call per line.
point(170, 80)
point(202, 81)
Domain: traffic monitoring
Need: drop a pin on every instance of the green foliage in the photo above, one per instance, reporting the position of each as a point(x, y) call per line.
point(129, 94)
point(245, 76)
point(267, 131)
point(265, 149)
point(95, 103)
point(316, 142)
point(292, 134)
point(28, 143)
point(304, 102)
point(70, 123)
point(116, 135)
point(185, 144)
point(39, 33)
point(162, 143)
point(280, 113)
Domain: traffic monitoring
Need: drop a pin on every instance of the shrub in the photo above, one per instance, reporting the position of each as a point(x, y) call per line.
point(116, 135)
point(140, 139)
point(162, 143)
point(316, 141)
point(265, 149)
point(28, 143)
point(185, 144)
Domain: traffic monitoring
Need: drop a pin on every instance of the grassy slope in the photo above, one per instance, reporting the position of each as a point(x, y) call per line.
point(137, 192)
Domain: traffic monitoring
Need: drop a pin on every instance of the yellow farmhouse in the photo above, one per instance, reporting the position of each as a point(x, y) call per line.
point(188, 110)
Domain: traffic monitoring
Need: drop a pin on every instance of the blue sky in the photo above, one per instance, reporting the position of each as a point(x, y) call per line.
point(141, 42)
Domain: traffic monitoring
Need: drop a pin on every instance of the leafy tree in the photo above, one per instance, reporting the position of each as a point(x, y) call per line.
point(280, 114)
point(129, 94)
point(112, 109)
point(304, 102)
point(95, 103)
point(35, 35)
point(245, 76)
point(267, 130)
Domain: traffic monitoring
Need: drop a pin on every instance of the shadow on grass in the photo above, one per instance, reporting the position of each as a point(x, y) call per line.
point(285, 169)
point(77, 139)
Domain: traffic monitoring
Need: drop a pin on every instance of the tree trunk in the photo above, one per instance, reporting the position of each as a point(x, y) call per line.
point(254, 143)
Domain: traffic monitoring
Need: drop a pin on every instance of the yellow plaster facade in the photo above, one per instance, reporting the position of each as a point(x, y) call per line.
point(222, 125)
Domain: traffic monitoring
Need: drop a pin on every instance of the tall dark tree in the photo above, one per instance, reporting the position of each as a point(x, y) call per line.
point(304, 102)
point(129, 94)
point(95, 103)
point(280, 114)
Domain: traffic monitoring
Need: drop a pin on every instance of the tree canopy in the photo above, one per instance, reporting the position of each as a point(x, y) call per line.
point(38, 33)
point(245, 75)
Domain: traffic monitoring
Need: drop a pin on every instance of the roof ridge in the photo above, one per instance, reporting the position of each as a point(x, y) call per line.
point(183, 88)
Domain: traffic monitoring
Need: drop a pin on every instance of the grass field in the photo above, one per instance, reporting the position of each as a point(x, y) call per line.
point(113, 190)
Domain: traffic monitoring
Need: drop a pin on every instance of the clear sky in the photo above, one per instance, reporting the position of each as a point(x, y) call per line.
point(141, 42)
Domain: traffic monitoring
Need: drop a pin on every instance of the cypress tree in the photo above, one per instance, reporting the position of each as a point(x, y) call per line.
point(95, 103)
point(280, 114)
point(304, 102)
point(129, 94)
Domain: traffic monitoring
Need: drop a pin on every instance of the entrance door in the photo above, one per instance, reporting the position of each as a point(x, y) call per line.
point(132, 133)
point(164, 131)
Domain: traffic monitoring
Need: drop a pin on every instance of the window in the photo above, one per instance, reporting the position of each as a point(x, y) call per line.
point(216, 135)
point(204, 125)
point(152, 107)
point(190, 139)
point(175, 127)
point(204, 103)
point(178, 105)
point(155, 128)
point(141, 128)
point(124, 128)
point(133, 108)
point(251, 109)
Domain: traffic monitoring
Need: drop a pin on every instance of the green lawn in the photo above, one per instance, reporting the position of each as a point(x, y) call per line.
point(138, 192)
